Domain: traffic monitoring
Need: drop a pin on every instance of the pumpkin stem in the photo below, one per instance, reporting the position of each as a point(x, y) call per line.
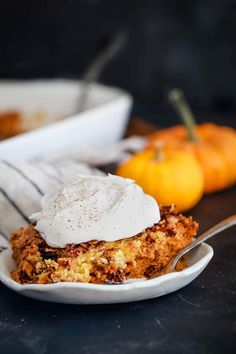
point(177, 99)
point(159, 153)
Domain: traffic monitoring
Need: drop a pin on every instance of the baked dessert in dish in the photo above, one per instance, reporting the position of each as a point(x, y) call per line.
point(11, 124)
point(99, 230)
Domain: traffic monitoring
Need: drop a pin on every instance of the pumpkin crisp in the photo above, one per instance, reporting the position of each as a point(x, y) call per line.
point(143, 255)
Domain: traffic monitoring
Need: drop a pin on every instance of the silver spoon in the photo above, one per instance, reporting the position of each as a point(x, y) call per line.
point(222, 225)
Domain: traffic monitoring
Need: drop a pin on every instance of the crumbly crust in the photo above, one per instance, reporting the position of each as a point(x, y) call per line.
point(143, 255)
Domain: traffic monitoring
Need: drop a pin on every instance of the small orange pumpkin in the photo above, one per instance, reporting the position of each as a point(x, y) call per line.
point(171, 177)
point(215, 149)
point(214, 146)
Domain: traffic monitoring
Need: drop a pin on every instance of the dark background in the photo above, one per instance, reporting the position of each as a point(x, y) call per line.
point(189, 44)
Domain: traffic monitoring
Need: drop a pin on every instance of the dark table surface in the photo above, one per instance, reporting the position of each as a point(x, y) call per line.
point(198, 319)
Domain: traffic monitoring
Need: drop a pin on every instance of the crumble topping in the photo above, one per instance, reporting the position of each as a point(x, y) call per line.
point(143, 255)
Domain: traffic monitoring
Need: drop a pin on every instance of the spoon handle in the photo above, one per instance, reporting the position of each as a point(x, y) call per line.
point(222, 225)
point(105, 53)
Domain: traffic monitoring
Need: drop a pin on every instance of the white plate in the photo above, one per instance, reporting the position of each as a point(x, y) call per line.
point(101, 123)
point(81, 293)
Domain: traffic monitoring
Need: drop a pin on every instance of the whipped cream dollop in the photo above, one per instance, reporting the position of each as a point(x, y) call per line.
point(105, 208)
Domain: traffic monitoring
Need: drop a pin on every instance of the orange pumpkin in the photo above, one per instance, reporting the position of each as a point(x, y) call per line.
point(214, 146)
point(171, 177)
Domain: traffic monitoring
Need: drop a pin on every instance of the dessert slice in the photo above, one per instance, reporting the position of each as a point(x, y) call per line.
point(143, 255)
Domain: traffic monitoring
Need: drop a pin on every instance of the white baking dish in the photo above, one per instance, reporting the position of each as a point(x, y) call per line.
point(101, 123)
